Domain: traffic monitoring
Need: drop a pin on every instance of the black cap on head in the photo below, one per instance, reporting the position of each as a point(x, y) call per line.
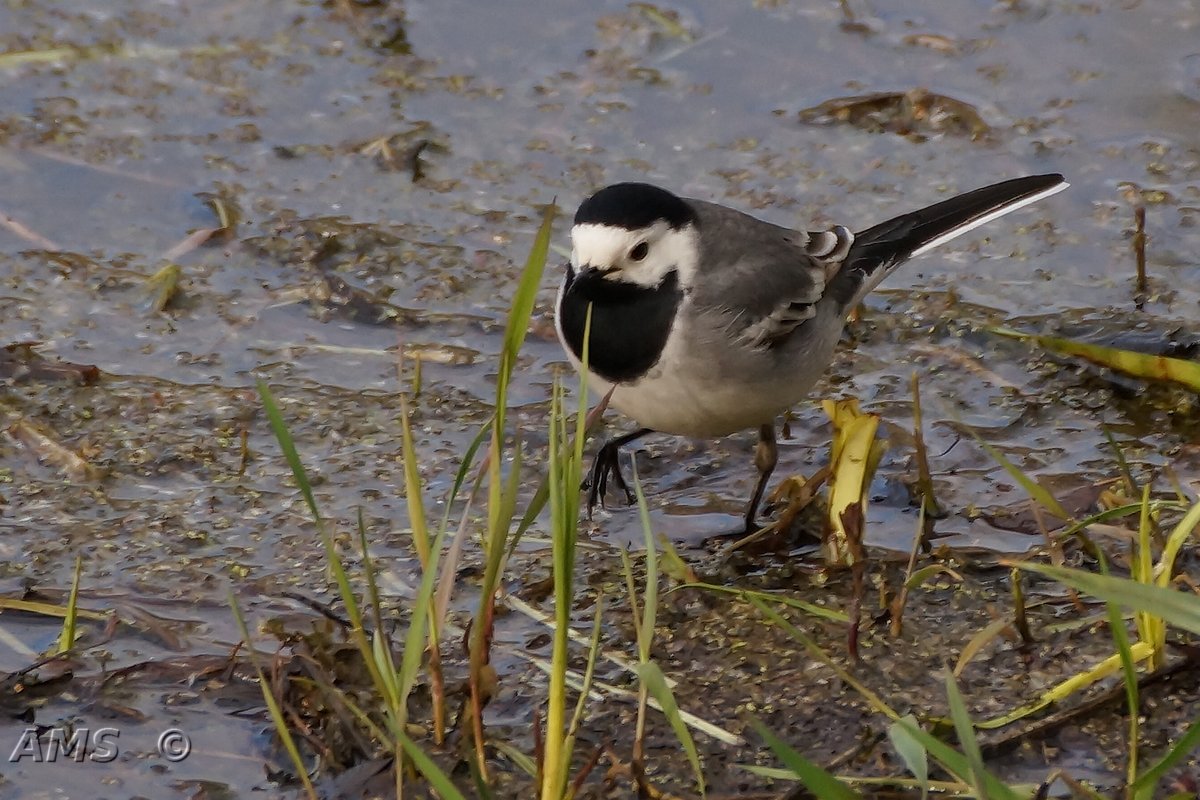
point(634, 206)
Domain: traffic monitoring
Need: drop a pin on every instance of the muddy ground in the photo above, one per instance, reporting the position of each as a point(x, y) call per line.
point(350, 187)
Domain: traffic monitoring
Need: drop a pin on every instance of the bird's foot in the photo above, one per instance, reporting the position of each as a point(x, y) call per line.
point(606, 465)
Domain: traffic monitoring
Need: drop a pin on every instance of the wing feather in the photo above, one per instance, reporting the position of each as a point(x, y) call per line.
point(768, 279)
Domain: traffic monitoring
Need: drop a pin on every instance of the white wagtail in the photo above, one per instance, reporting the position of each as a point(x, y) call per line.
point(706, 321)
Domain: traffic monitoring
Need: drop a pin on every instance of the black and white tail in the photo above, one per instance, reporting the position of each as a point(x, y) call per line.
point(880, 249)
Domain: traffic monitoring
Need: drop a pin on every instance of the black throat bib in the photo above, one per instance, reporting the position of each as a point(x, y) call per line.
point(630, 323)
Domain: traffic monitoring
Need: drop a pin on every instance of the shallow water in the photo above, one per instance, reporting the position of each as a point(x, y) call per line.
point(122, 115)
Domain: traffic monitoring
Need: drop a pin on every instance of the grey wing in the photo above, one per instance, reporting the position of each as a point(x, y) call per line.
point(765, 280)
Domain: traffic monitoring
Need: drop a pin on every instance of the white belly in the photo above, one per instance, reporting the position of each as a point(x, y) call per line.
point(693, 392)
point(681, 407)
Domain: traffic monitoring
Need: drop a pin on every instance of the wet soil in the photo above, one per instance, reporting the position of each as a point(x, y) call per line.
point(348, 189)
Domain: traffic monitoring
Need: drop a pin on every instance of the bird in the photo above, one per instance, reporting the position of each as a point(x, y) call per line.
point(703, 321)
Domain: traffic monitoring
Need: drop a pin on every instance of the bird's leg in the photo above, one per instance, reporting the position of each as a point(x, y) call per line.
point(607, 463)
point(766, 456)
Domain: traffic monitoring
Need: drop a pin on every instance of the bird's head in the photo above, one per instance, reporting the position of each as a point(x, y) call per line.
point(635, 233)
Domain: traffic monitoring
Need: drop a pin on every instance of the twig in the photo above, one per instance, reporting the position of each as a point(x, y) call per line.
point(1139, 246)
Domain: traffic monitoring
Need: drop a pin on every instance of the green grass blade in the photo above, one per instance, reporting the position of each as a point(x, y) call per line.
point(1150, 628)
point(957, 763)
point(440, 782)
point(413, 497)
point(382, 656)
point(589, 671)
point(821, 783)
point(508, 497)
point(648, 671)
point(966, 735)
point(536, 504)
point(1179, 535)
point(582, 427)
point(1177, 608)
point(650, 594)
point(414, 638)
point(924, 473)
point(373, 659)
point(277, 718)
point(288, 446)
point(652, 677)
point(1118, 512)
point(1034, 489)
point(460, 477)
point(1141, 365)
point(66, 639)
point(522, 761)
point(499, 510)
point(527, 288)
point(1116, 625)
point(912, 752)
point(368, 567)
point(631, 589)
point(520, 311)
point(564, 494)
point(1122, 463)
point(1144, 787)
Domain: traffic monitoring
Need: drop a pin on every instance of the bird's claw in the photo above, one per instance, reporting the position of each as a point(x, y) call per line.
point(606, 465)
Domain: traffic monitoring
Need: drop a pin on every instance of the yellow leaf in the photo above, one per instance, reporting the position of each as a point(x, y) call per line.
point(854, 455)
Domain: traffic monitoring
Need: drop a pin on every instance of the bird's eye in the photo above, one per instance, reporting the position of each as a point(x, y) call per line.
point(639, 251)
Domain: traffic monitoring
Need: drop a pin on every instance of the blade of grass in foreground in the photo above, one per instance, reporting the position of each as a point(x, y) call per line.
point(1177, 608)
point(1165, 569)
point(911, 752)
point(375, 655)
point(501, 496)
point(1129, 672)
point(565, 469)
point(66, 639)
point(1034, 489)
point(1065, 688)
point(422, 609)
point(277, 718)
point(564, 478)
point(51, 609)
point(957, 763)
point(424, 632)
point(650, 673)
point(288, 446)
point(1145, 786)
point(966, 735)
point(823, 785)
point(424, 764)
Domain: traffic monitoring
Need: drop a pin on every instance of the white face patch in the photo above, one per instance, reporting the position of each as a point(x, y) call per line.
point(611, 249)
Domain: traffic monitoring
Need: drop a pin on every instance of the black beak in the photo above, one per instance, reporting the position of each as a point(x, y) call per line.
point(599, 272)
